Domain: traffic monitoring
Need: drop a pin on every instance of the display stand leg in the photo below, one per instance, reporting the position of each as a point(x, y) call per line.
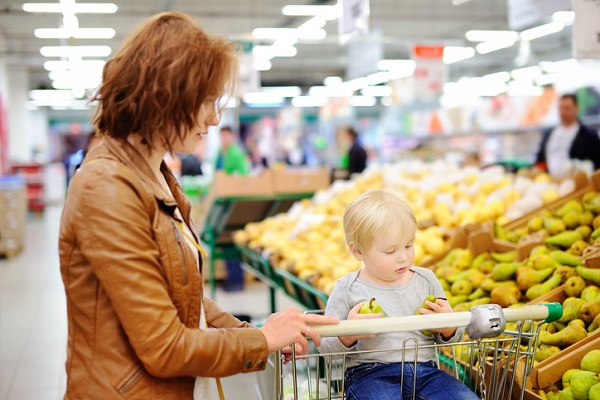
point(272, 294)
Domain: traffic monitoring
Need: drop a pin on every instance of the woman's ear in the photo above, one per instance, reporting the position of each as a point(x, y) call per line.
point(356, 252)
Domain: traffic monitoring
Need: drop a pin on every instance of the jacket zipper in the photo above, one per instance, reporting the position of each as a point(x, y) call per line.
point(131, 380)
point(178, 237)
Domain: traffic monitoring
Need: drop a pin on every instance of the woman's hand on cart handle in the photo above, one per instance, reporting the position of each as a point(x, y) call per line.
point(349, 341)
point(292, 326)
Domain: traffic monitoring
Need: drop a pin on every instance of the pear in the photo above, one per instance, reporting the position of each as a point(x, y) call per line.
point(578, 247)
point(554, 225)
point(594, 393)
point(542, 288)
point(590, 293)
point(464, 259)
point(505, 257)
point(488, 284)
point(566, 337)
point(586, 218)
point(445, 284)
point(477, 261)
point(590, 274)
point(565, 258)
point(566, 394)
point(543, 261)
point(455, 300)
point(535, 224)
point(566, 378)
point(461, 287)
point(563, 239)
point(595, 324)
point(504, 271)
point(565, 273)
point(487, 266)
point(477, 294)
point(585, 231)
point(596, 222)
point(527, 277)
point(572, 219)
point(577, 322)
point(539, 250)
point(431, 298)
point(571, 307)
point(547, 352)
point(581, 383)
point(588, 196)
point(595, 234)
point(570, 206)
point(591, 361)
point(558, 326)
point(505, 296)
point(459, 276)
point(588, 311)
point(574, 286)
point(371, 307)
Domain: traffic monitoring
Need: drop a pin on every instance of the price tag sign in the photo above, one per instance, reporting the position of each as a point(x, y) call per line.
point(586, 31)
point(430, 71)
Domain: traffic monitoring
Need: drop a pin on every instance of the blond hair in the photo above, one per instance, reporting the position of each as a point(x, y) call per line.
point(376, 211)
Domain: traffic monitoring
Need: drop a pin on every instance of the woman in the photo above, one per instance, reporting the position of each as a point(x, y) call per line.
point(139, 326)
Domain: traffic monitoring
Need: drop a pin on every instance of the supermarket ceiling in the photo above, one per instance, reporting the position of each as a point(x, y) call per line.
point(395, 26)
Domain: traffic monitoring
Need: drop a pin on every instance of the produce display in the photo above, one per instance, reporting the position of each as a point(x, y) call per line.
point(309, 240)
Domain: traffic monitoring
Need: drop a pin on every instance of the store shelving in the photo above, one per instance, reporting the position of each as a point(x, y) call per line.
point(33, 176)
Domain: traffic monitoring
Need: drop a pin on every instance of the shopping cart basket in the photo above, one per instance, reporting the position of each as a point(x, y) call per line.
point(493, 361)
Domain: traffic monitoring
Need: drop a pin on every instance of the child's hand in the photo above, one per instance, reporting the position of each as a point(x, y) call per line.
point(348, 341)
point(440, 306)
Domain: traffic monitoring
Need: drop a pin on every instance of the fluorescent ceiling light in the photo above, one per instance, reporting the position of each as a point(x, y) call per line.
point(330, 91)
point(454, 54)
point(269, 52)
point(260, 99)
point(73, 84)
point(274, 33)
point(497, 77)
point(558, 66)
point(362, 101)
point(389, 65)
point(327, 12)
point(491, 36)
point(81, 33)
point(62, 65)
point(378, 78)
point(84, 8)
point(546, 79)
point(566, 17)
point(332, 80)
point(317, 34)
point(526, 73)
point(492, 89)
point(284, 91)
point(48, 94)
point(488, 47)
point(524, 91)
point(377, 91)
point(83, 51)
point(542, 30)
point(76, 76)
point(262, 65)
point(356, 84)
point(308, 101)
point(312, 24)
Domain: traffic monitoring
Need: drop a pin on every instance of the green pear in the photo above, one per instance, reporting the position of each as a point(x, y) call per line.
point(595, 324)
point(488, 284)
point(578, 247)
point(565, 258)
point(553, 395)
point(477, 261)
point(571, 307)
point(461, 287)
point(464, 260)
point(542, 288)
point(539, 250)
point(581, 383)
point(487, 266)
point(590, 293)
point(506, 257)
point(456, 300)
point(505, 296)
point(371, 307)
point(558, 326)
point(585, 231)
point(574, 286)
point(570, 206)
point(566, 394)
point(527, 276)
point(591, 362)
point(566, 378)
point(594, 393)
point(431, 298)
point(590, 274)
point(577, 321)
point(565, 272)
point(543, 261)
point(477, 294)
point(588, 311)
point(547, 352)
point(572, 219)
point(504, 271)
point(563, 239)
point(535, 224)
point(566, 337)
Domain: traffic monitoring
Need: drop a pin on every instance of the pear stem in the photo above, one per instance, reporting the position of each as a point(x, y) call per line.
point(371, 303)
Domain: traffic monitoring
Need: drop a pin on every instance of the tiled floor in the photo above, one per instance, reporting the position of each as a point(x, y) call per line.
point(33, 324)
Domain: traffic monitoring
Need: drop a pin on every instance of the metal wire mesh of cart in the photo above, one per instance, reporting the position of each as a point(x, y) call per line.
point(495, 368)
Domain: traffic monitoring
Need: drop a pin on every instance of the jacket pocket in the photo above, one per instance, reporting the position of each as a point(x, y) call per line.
point(179, 237)
point(131, 380)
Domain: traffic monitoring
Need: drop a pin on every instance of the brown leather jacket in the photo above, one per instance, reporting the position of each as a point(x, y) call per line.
point(133, 288)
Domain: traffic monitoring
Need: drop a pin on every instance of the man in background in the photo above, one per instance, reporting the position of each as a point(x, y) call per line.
point(355, 160)
point(571, 140)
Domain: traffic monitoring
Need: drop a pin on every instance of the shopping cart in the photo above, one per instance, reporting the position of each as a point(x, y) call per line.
point(494, 361)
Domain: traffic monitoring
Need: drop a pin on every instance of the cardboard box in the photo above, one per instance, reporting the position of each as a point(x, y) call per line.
point(238, 186)
point(300, 180)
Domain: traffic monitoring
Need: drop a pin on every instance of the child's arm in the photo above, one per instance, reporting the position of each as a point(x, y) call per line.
point(440, 306)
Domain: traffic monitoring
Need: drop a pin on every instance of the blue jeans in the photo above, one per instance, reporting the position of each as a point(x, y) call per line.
point(379, 381)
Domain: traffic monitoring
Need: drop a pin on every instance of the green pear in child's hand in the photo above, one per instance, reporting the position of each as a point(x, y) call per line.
point(431, 298)
point(371, 307)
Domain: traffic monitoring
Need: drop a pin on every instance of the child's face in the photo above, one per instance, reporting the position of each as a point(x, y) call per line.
point(390, 256)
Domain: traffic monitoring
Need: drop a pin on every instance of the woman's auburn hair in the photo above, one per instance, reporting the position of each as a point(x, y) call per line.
point(155, 84)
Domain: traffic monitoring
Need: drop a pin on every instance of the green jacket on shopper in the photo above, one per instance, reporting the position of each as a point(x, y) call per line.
point(233, 161)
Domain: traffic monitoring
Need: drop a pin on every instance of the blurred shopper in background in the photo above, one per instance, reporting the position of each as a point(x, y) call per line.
point(354, 160)
point(191, 164)
point(569, 141)
point(139, 325)
point(257, 160)
point(231, 158)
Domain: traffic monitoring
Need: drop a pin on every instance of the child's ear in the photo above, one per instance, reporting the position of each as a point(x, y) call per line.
point(355, 251)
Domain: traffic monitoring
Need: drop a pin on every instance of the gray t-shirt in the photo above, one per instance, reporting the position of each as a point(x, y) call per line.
point(396, 301)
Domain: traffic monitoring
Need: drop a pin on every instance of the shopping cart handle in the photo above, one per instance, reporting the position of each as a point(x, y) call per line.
point(547, 312)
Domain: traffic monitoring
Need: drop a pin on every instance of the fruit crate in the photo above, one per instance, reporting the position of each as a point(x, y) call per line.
point(261, 267)
point(302, 291)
